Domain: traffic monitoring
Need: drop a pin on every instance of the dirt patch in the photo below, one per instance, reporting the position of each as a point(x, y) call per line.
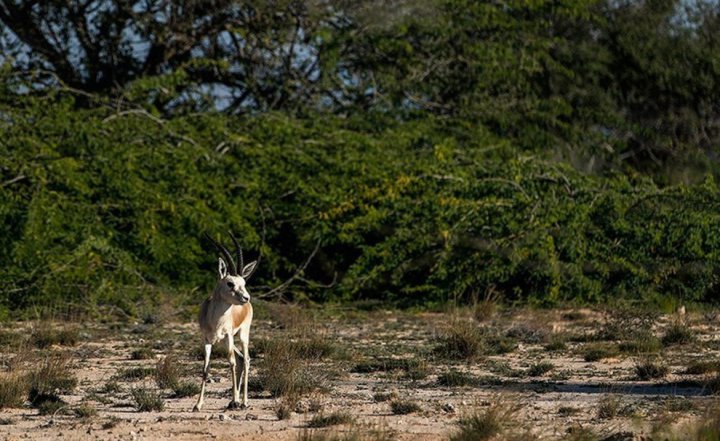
point(382, 371)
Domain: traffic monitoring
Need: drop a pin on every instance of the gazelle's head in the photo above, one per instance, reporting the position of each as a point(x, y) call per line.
point(231, 286)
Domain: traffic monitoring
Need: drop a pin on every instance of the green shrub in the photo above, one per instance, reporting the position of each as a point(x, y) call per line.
point(395, 209)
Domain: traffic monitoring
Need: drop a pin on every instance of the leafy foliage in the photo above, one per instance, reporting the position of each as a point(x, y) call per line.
point(103, 208)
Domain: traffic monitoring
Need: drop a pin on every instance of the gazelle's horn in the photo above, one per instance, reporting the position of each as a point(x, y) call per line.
point(225, 253)
point(238, 249)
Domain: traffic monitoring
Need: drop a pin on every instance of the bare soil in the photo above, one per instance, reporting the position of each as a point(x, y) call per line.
point(358, 376)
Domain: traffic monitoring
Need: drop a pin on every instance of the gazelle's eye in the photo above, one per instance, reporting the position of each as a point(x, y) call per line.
point(230, 285)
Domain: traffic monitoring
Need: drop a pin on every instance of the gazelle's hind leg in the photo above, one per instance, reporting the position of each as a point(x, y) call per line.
point(206, 372)
point(239, 357)
point(235, 403)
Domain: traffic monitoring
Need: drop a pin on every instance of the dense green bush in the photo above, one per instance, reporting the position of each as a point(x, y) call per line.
point(104, 208)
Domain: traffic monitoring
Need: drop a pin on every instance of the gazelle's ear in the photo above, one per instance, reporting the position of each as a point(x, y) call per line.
point(222, 268)
point(248, 270)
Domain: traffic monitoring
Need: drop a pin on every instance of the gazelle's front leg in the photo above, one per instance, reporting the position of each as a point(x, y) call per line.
point(244, 341)
point(206, 372)
point(235, 403)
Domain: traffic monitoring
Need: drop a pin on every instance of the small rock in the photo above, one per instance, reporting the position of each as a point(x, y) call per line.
point(251, 417)
point(208, 416)
point(223, 417)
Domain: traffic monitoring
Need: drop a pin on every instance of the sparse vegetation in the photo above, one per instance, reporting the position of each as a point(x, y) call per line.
point(486, 308)
point(43, 337)
point(609, 407)
point(355, 433)
point(403, 407)
point(678, 333)
point(52, 377)
point(538, 369)
point(650, 370)
point(381, 397)
point(568, 411)
point(579, 433)
point(285, 373)
point(147, 400)
point(700, 367)
point(143, 353)
point(480, 425)
point(111, 387)
point(13, 389)
point(556, 343)
point(644, 343)
point(185, 389)
point(461, 340)
point(332, 419)
point(135, 373)
point(85, 411)
point(386, 364)
point(465, 340)
point(455, 378)
point(283, 410)
point(382, 362)
point(167, 373)
point(110, 423)
point(598, 351)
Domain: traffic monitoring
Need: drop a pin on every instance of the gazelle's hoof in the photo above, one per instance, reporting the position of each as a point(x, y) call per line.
point(196, 408)
point(244, 406)
point(235, 405)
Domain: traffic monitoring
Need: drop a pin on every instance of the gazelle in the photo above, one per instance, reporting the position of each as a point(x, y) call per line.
point(224, 314)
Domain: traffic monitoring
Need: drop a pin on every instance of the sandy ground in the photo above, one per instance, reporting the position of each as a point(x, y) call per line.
point(571, 394)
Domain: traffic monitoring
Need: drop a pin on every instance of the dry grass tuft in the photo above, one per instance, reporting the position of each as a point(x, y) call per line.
point(462, 340)
point(147, 400)
point(355, 433)
point(135, 374)
point(678, 333)
point(85, 411)
point(538, 369)
point(285, 373)
point(486, 308)
point(481, 426)
point(404, 407)
point(143, 353)
point(465, 340)
point(53, 376)
point(455, 378)
point(185, 389)
point(650, 370)
point(643, 343)
point(598, 351)
point(13, 389)
point(44, 337)
point(167, 373)
point(608, 407)
point(332, 419)
point(700, 367)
